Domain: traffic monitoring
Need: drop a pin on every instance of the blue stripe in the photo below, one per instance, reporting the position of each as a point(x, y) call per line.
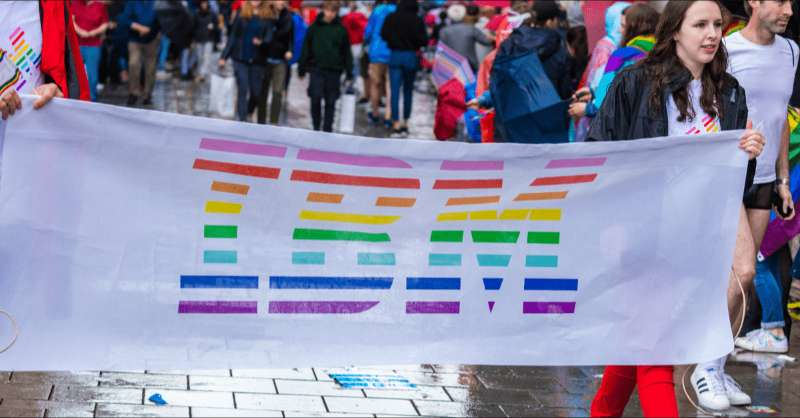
point(551, 284)
point(433, 283)
point(312, 282)
point(219, 282)
point(492, 283)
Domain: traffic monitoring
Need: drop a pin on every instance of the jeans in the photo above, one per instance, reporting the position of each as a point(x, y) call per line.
point(163, 52)
point(142, 55)
point(188, 60)
point(323, 85)
point(402, 73)
point(248, 82)
point(276, 79)
point(91, 59)
point(769, 294)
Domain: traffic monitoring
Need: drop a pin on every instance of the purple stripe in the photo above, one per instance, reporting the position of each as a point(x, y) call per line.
point(217, 307)
point(472, 165)
point(242, 147)
point(577, 162)
point(317, 307)
point(432, 307)
point(351, 159)
point(19, 87)
point(548, 307)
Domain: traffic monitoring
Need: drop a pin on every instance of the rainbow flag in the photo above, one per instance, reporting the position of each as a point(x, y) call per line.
point(449, 64)
point(9, 73)
point(737, 24)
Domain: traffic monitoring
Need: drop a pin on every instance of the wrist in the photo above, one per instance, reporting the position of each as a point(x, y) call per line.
point(782, 181)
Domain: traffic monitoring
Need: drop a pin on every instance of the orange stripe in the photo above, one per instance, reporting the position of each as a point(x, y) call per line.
point(324, 197)
point(398, 202)
point(525, 197)
point(220, 186)
point(475, 200)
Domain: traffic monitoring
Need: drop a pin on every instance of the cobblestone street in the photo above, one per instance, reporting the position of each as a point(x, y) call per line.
point(773, 381)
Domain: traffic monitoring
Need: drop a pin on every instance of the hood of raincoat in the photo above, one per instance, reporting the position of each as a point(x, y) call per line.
point(614, 21)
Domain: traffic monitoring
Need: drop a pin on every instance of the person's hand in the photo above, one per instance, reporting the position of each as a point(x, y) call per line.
point(46, 92)
point(788, 201)
point(577, 110)
point(288, 56)
point(221, 62)
point(257, 41)
point(82, 33)
point(473, 104)
point(10, 103)
point(582, 95)
point(144, 30)
point(752, 141)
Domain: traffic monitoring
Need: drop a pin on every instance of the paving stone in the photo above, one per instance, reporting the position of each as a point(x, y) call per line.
point(198, 372)
point(23, 413)
point(54, 408)
point(192, 398)
point(57, 378)
point(69, 413)
point(508, 396)
point(370, 406)
point(442, 379)
point(279, 402)
point(231, 384)
point(523, 411)
point(25, 391)
point(300, 387)
point(99, 395)
point(296, 374)
point(564, 399)
point(118, 410)
point(219, 412)
point(457, 409)
point(301, 414)
point(141, 380)
point(429, 393)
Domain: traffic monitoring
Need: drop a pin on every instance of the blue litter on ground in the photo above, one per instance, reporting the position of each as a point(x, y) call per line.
point(157, 399)
point(371, 381)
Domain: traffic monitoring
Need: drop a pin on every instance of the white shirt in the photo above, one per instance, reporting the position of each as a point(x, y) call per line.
point(702, 123)
point(767, 74)
point(20, 46)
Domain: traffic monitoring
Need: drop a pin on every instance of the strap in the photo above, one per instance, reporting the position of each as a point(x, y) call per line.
point(792, 49)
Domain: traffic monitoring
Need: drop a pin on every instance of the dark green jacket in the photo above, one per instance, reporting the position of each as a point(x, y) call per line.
point(326, 47)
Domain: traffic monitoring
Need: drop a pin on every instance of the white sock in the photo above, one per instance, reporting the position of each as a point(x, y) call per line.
point(721, 363)
point(710, 365)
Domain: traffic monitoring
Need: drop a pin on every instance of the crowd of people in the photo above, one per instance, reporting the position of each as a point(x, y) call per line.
point(527, 71)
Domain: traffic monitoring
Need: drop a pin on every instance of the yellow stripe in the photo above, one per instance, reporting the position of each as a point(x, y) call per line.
point(514, 214)
point(452, 216)
point(546, 215)
point(483, 215)
point(223, 207)
point(352, 218)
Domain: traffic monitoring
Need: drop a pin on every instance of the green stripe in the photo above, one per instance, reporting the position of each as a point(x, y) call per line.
point(447, 236)
point(501, 237)
point(219, 257)
point(299, 257)
point(331, 235)
point(376, 259)
point(544, 237)
point(444, 259)
point(541, 261)
point(493, 260)
point(221, 231)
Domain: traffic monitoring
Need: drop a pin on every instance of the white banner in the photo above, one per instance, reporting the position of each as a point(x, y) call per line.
point(134, 239)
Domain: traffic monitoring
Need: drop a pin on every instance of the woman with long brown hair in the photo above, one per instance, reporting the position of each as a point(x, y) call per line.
point(681, 88)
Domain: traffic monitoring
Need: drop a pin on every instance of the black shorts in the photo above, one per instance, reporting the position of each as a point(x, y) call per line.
point(759, 196)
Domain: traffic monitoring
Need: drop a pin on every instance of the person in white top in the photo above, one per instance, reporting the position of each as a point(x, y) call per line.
point(764, 63)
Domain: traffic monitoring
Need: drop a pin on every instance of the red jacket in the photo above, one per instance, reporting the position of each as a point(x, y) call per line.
point(61, 56)
point(356, 24)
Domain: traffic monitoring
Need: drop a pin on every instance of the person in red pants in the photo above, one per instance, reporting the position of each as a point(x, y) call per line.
point(680, 89)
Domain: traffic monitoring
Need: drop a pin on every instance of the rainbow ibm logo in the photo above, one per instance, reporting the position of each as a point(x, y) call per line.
point(22, 55)
point(471, 192)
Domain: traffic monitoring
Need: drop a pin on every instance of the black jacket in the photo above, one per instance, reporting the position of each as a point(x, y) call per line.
point(551, 50)
point(404, 30)
point(326, 47)
point(234, 47)
point(204, 24)
point(282, 38)
point(626, 113)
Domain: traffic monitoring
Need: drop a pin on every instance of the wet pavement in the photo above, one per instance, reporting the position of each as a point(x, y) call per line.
point(428, 390)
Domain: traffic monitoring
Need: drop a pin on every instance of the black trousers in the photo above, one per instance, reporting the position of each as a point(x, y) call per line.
point(324, 85)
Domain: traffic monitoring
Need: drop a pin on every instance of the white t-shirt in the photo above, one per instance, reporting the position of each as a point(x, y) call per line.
point(702, 123)
point(20, 46)
point(767, 74)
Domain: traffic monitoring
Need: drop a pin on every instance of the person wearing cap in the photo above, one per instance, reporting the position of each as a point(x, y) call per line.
point(462, 37)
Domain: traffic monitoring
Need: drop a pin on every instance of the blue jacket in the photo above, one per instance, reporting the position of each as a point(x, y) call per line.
point(143, 13)
point(299, 30)
point(379, 51)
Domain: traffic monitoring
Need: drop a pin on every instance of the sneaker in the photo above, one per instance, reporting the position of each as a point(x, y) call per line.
point(710, 389)
point(373, 119)
point(763, 341)
point(132, 99)
point(363, 101)
point(397, 133)
point(736, 396)
point(404, 130)
point(388, 123)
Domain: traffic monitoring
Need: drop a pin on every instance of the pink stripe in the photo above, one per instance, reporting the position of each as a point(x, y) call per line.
point(350, 159)
point(13, 34)
point(472, 165)
point(577, 162)
point(239, 147)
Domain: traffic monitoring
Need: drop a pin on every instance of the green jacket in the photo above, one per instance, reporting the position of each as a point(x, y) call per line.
point(326, 47)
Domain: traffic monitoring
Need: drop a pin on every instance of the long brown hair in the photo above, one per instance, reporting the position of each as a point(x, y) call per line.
point(640, 19)
point(263, 11)
point(663, 65)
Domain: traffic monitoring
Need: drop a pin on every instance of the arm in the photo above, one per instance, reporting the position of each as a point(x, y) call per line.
point(232, 38)
point(305, 54)
point(368, 32)
point(481, 38)
point(348, 55)
point(614, 112)
point(782, 172)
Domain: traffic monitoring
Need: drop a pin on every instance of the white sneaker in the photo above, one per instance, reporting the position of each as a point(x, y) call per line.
point(763, 341)
point(710, 389)
point(734, 392)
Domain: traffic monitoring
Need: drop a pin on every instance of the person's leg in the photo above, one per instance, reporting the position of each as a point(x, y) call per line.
point(409, 76)
point(135, 69)
point(240, 71)
point(614, 392)
point(657, 391)
point(150, 63)
point(263, 95)
point(395, 82)
point(278, 81)
point(770, 337)
point(316, 86)
point(257, 73)
point(387, 91)
point(91, 59)
point(744, 270)
point(376, 88)
point(186, 61)
point(163, 52)
point(332, 85)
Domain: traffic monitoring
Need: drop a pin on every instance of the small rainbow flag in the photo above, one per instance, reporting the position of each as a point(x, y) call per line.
point(9, 73)
point(449, 64)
